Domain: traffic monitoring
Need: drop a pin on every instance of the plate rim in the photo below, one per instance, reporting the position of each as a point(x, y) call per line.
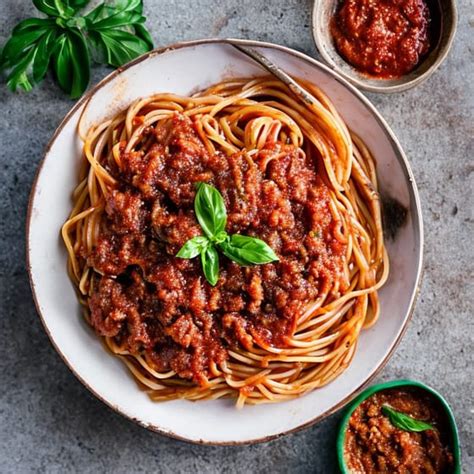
point(401, 157)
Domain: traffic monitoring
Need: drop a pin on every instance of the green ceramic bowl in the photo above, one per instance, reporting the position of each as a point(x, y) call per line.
point(454, 438)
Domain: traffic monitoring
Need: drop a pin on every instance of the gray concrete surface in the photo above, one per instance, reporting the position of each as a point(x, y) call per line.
point(50, 423)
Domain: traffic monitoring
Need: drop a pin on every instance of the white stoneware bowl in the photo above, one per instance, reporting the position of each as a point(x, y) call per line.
point(183, 69)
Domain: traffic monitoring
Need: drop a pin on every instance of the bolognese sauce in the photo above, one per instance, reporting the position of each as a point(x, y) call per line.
point(152, 302)
point(382, 38)
point(374, 445)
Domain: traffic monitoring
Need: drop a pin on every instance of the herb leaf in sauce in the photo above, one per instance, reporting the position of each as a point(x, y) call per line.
point(246, 250)
point(211, 214)
point(193, 247)
point(210, 264)
point(405, 422)
point(210, 210)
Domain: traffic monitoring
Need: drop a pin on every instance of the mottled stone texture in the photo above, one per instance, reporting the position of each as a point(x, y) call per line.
point(50, 423)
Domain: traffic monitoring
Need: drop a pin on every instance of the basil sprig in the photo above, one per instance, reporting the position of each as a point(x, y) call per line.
point(211, 214)
point(112, 33)
point(405, 422)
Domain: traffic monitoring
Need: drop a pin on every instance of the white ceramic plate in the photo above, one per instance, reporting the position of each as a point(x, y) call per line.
point(183, 69)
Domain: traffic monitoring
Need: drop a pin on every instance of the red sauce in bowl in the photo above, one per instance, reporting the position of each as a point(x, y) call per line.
point(382, 38)
point(374, 445)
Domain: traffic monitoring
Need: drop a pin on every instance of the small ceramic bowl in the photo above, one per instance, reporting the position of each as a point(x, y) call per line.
point(444, 14)
point(454, 438)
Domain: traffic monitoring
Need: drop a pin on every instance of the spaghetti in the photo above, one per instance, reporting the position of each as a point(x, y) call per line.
point(291, 174)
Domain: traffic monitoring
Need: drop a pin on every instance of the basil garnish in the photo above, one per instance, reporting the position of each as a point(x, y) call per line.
point(210, 210)
point(405, 422)
point(193, 247)
point(211, 214)
point(247, 250)
point(210, 264)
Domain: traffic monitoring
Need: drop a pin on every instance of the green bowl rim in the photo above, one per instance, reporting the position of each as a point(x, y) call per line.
point(392, 384)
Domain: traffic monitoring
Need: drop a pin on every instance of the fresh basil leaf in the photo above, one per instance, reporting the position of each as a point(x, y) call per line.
point(33, 23)
point(121, 47)
point(43, 55)
point(47, 7)
point(96, 13)
point(210, 209)
point(122, 19)
point(111, 9)
point(246, 250)
point(143, 33)
point(77, 4)
point(72, 63)
point(55, 8)
point(65, 11)
point(193, 247)
point(25, 51)
point(210, 264)
point(405, 422)
point(80, 63)
point(21, 41)
point(139, 8)
point(62, 59)
point(127, 5)
point(18, 77)
point(117, 33)
point(97, 48)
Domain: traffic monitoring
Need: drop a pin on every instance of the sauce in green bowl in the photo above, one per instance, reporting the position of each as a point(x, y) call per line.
point(396, 424)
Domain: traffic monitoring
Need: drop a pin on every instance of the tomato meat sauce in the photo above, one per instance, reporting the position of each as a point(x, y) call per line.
point(382, 38)
point(161, 306)
point(373, 445)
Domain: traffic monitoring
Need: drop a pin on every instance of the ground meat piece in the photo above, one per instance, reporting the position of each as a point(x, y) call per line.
point(109, 306)
point(256, 293)
point(184, 332)
point(238, 328)
point(126, 212)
